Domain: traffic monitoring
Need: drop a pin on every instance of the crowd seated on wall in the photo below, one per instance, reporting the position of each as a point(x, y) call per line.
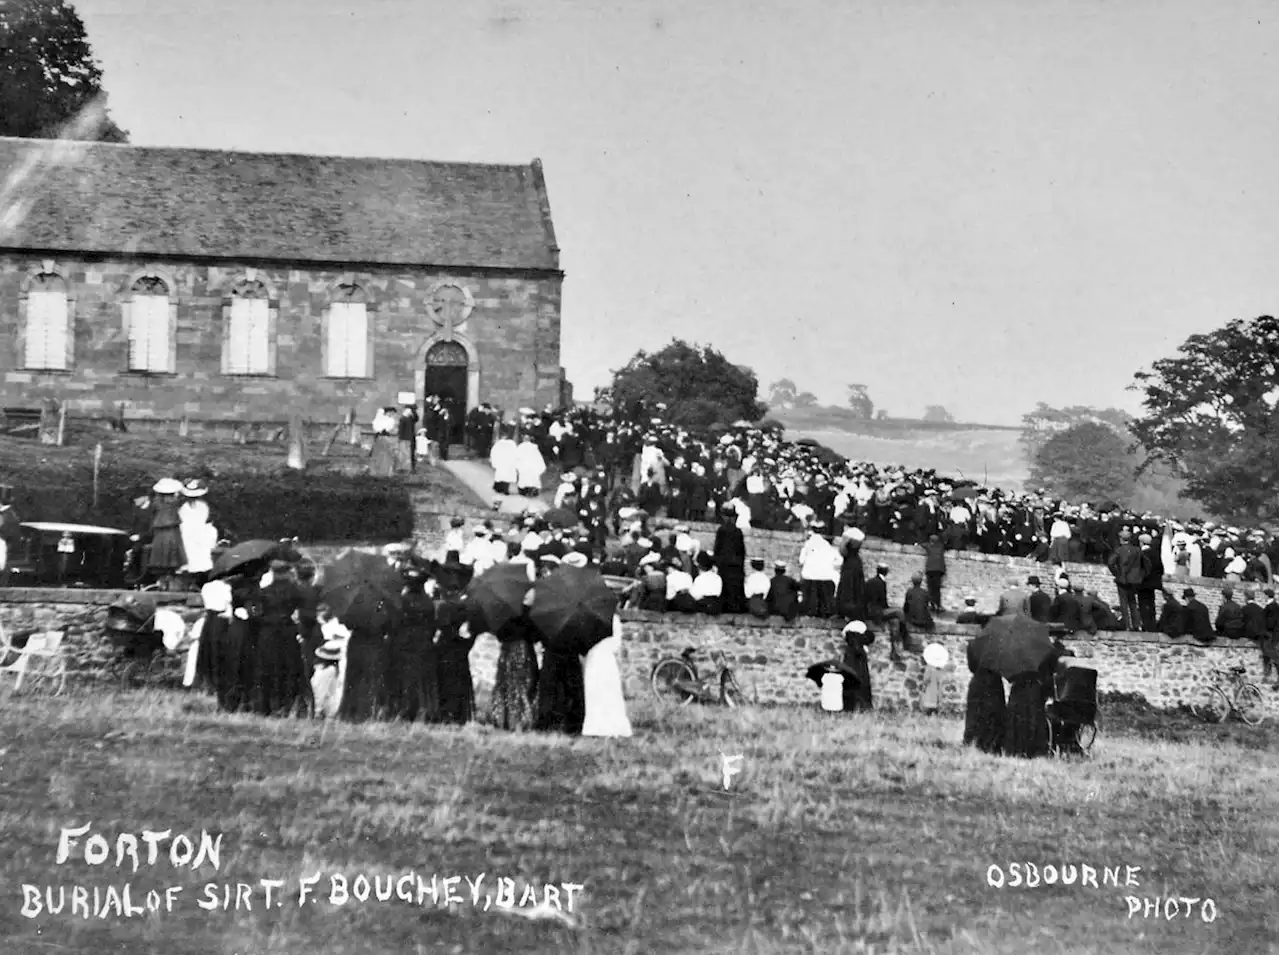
point(666, 470)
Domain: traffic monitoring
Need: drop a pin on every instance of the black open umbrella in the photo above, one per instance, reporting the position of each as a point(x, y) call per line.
point(363, 591)
point(560, 517)
point(242, 557)
point(819, 670)
point(573, 608)
point(496, 597)
point(1012, 645)
point(964, 493)
point(1106, 507)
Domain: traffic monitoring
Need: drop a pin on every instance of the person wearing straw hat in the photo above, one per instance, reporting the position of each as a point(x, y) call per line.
point(166, 555)
point(198, 535)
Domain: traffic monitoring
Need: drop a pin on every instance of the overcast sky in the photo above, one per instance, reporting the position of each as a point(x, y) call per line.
point(980, 205)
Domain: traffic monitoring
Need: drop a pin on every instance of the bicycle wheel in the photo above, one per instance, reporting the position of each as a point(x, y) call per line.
point(674, 681)
point(1211, 704)
point(1249, 704)
point(731, 694)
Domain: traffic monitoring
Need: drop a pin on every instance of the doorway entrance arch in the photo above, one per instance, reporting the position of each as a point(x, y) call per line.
point(448, 368)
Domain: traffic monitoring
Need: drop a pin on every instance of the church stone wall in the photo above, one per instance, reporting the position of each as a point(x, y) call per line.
point(514, 327)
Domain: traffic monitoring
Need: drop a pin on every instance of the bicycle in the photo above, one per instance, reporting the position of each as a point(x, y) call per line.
point(1229, 692)
point(676, 679)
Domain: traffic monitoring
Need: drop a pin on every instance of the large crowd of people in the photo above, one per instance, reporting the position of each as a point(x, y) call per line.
point(647, 463)
point(268, 644)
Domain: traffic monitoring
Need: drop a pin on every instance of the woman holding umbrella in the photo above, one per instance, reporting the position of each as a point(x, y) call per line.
point(412, 689)
point(278, 668)
point(364, 593)
point(496, 603)
point(453, 651)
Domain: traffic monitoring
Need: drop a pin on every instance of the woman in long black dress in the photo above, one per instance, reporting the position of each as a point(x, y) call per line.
point(364, 691)
point(1027, 734)
point(857, 693)
point(278, 671)
point(984, 712)
point(515, 685)
point(235, 661)
point(412, 693)
point(453, 666)
point(730, 551)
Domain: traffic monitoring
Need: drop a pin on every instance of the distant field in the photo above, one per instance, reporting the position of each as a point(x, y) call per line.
point(982, 453)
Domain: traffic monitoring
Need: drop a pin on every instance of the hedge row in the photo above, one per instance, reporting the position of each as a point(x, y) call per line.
point(312, 506)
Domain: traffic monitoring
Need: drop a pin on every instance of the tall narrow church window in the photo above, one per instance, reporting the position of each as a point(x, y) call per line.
point(347, 335)
point(48, 328)
point(150, 332)
point(248, 331)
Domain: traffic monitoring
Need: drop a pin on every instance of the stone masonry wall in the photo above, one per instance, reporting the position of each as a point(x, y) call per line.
point(969, 574)
point(515, 328)
point(769, 656)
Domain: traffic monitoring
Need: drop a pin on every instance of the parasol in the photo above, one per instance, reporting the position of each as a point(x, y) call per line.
point(1013, 645)
point(362, 591)
point(964, 493)
point(560, 517)
point(819, 670)
point(243, 555)
point(496, 597)
point(573, 608)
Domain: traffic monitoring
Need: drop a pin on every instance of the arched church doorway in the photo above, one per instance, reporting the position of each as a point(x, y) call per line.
point(446, 379)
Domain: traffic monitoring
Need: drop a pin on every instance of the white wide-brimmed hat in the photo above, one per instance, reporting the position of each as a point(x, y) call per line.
point(575, 559)
point(195, 488)
point(168, 486)
point(935, 654)
point(855, 626)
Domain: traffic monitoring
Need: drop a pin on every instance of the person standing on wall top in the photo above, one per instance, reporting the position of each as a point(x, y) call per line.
point(935, 568)
point(1126, 566)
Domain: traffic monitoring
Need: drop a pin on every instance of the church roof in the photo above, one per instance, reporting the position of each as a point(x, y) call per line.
point(140, 200)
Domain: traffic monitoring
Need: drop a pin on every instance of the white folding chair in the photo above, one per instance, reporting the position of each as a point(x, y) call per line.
point(40, 664)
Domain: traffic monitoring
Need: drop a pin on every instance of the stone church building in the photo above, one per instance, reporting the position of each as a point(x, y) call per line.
point(242, 287)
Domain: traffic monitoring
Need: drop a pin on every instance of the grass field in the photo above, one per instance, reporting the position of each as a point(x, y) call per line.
point(845, 834)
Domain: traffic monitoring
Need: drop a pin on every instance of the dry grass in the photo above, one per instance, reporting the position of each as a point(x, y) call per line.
point(847, 833)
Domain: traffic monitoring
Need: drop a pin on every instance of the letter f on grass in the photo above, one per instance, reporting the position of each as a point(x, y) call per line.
point(730, 766)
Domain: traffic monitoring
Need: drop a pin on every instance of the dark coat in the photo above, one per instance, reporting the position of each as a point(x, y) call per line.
point(984, 711)
point(915, 608)
point(1172, 618)
point(1255, 621)
point(1151, 562)
point(877, 597)
point(1230, 622)
point(784, 597)
point(1126, 565)
point(935, 559)
point(857, 695)
point(1040, 605)
point(1066, 611)
point(851, 597)
point(1195, 620)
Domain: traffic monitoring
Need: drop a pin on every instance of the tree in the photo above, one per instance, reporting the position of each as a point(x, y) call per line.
point(50, 85)
point(937, 413)
point(1042, 423)
point(697, 384)
point(861, 402)
point(1085, 462)
point(1210, 414)
point(806, 399)
point(782, 392)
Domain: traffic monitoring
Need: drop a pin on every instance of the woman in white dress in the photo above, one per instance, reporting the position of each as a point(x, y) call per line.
point(606, 708)
point(198, 536)
point(502, 458)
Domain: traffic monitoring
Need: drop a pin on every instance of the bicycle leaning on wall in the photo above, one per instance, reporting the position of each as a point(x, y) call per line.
point(1226, 692)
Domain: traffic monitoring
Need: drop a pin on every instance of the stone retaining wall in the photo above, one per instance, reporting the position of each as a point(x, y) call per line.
point(770, 656)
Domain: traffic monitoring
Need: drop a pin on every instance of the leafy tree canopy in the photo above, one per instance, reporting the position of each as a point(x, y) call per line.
point(806, 399)
point(1086, 462)
point(1210, 414)
point(782, 392)
point(1042, 423)
point(50, 85)
point(937, 413)
point(697, 384)
point(860, 401)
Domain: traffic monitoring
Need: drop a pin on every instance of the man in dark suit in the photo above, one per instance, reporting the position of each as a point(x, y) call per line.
point(784, 593)
point(879, 612)
point(1271, 615)
point(915, 606)
point(1196, 622)
point(970, 613)
point(1126, 566)
point(1086, 602)
point(1152, 580)
point(1255, 619)
point(1066, 611)
point(1039, 603)
point(1230, 622)
point(1172, 616)
point(1103, 617)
